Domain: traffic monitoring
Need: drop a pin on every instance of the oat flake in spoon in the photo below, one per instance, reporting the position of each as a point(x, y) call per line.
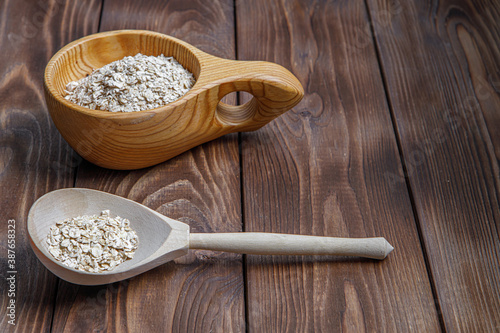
point(132, 84)
point(92, 243)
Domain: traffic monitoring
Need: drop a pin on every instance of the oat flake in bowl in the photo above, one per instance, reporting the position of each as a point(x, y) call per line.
point(132, 84)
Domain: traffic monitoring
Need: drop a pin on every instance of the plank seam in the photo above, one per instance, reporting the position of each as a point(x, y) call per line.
point(100, 16)
point(242, 197)
point(56, 291)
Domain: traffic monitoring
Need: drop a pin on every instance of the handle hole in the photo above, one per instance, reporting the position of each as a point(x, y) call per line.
point(231, 113)
point(236, 98)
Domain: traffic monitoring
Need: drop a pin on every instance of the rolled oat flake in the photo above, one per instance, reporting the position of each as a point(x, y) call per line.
point(132, 84)
point(92, 243)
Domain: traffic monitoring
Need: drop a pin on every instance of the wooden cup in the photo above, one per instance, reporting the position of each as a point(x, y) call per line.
point(132, 140)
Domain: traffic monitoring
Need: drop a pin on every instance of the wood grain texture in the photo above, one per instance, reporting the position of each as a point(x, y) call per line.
point(133, 140)
point(330, 167)
point(204, 290)
point(476, 42)
point(319, 169)
point(34, 158)
point(440, 81)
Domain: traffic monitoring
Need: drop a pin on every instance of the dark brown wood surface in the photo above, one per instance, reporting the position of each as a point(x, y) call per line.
point(319, 169)
point(444, 121)
point(34, 159)
point(396, 137)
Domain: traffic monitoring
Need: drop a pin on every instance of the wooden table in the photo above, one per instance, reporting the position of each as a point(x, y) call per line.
point(397, 136)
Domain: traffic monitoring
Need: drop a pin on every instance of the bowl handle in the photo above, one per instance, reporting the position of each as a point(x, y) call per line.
point(275, 90)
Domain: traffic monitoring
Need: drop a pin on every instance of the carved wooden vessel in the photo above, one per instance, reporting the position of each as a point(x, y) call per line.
point(140, 139)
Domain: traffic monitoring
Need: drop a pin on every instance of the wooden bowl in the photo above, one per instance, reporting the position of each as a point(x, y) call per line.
point(132, 140)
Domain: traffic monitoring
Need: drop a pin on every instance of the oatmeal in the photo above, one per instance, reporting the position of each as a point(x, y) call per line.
point(92, 243)
point(132, 84)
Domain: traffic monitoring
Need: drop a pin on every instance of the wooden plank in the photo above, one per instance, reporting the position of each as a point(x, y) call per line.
point(34, 158)
point(478, 44)
point(319, 169)
point(436, 58)
point(203, 291)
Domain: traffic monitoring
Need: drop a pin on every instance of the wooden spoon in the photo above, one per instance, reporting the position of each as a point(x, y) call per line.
point(162, 239)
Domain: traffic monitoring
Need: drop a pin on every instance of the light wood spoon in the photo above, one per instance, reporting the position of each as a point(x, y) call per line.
point(162, 239)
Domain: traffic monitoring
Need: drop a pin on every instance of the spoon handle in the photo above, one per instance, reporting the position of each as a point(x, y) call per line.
point(286, 244)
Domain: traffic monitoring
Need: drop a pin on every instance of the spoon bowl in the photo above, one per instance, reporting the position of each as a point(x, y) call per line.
point(162, 239)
